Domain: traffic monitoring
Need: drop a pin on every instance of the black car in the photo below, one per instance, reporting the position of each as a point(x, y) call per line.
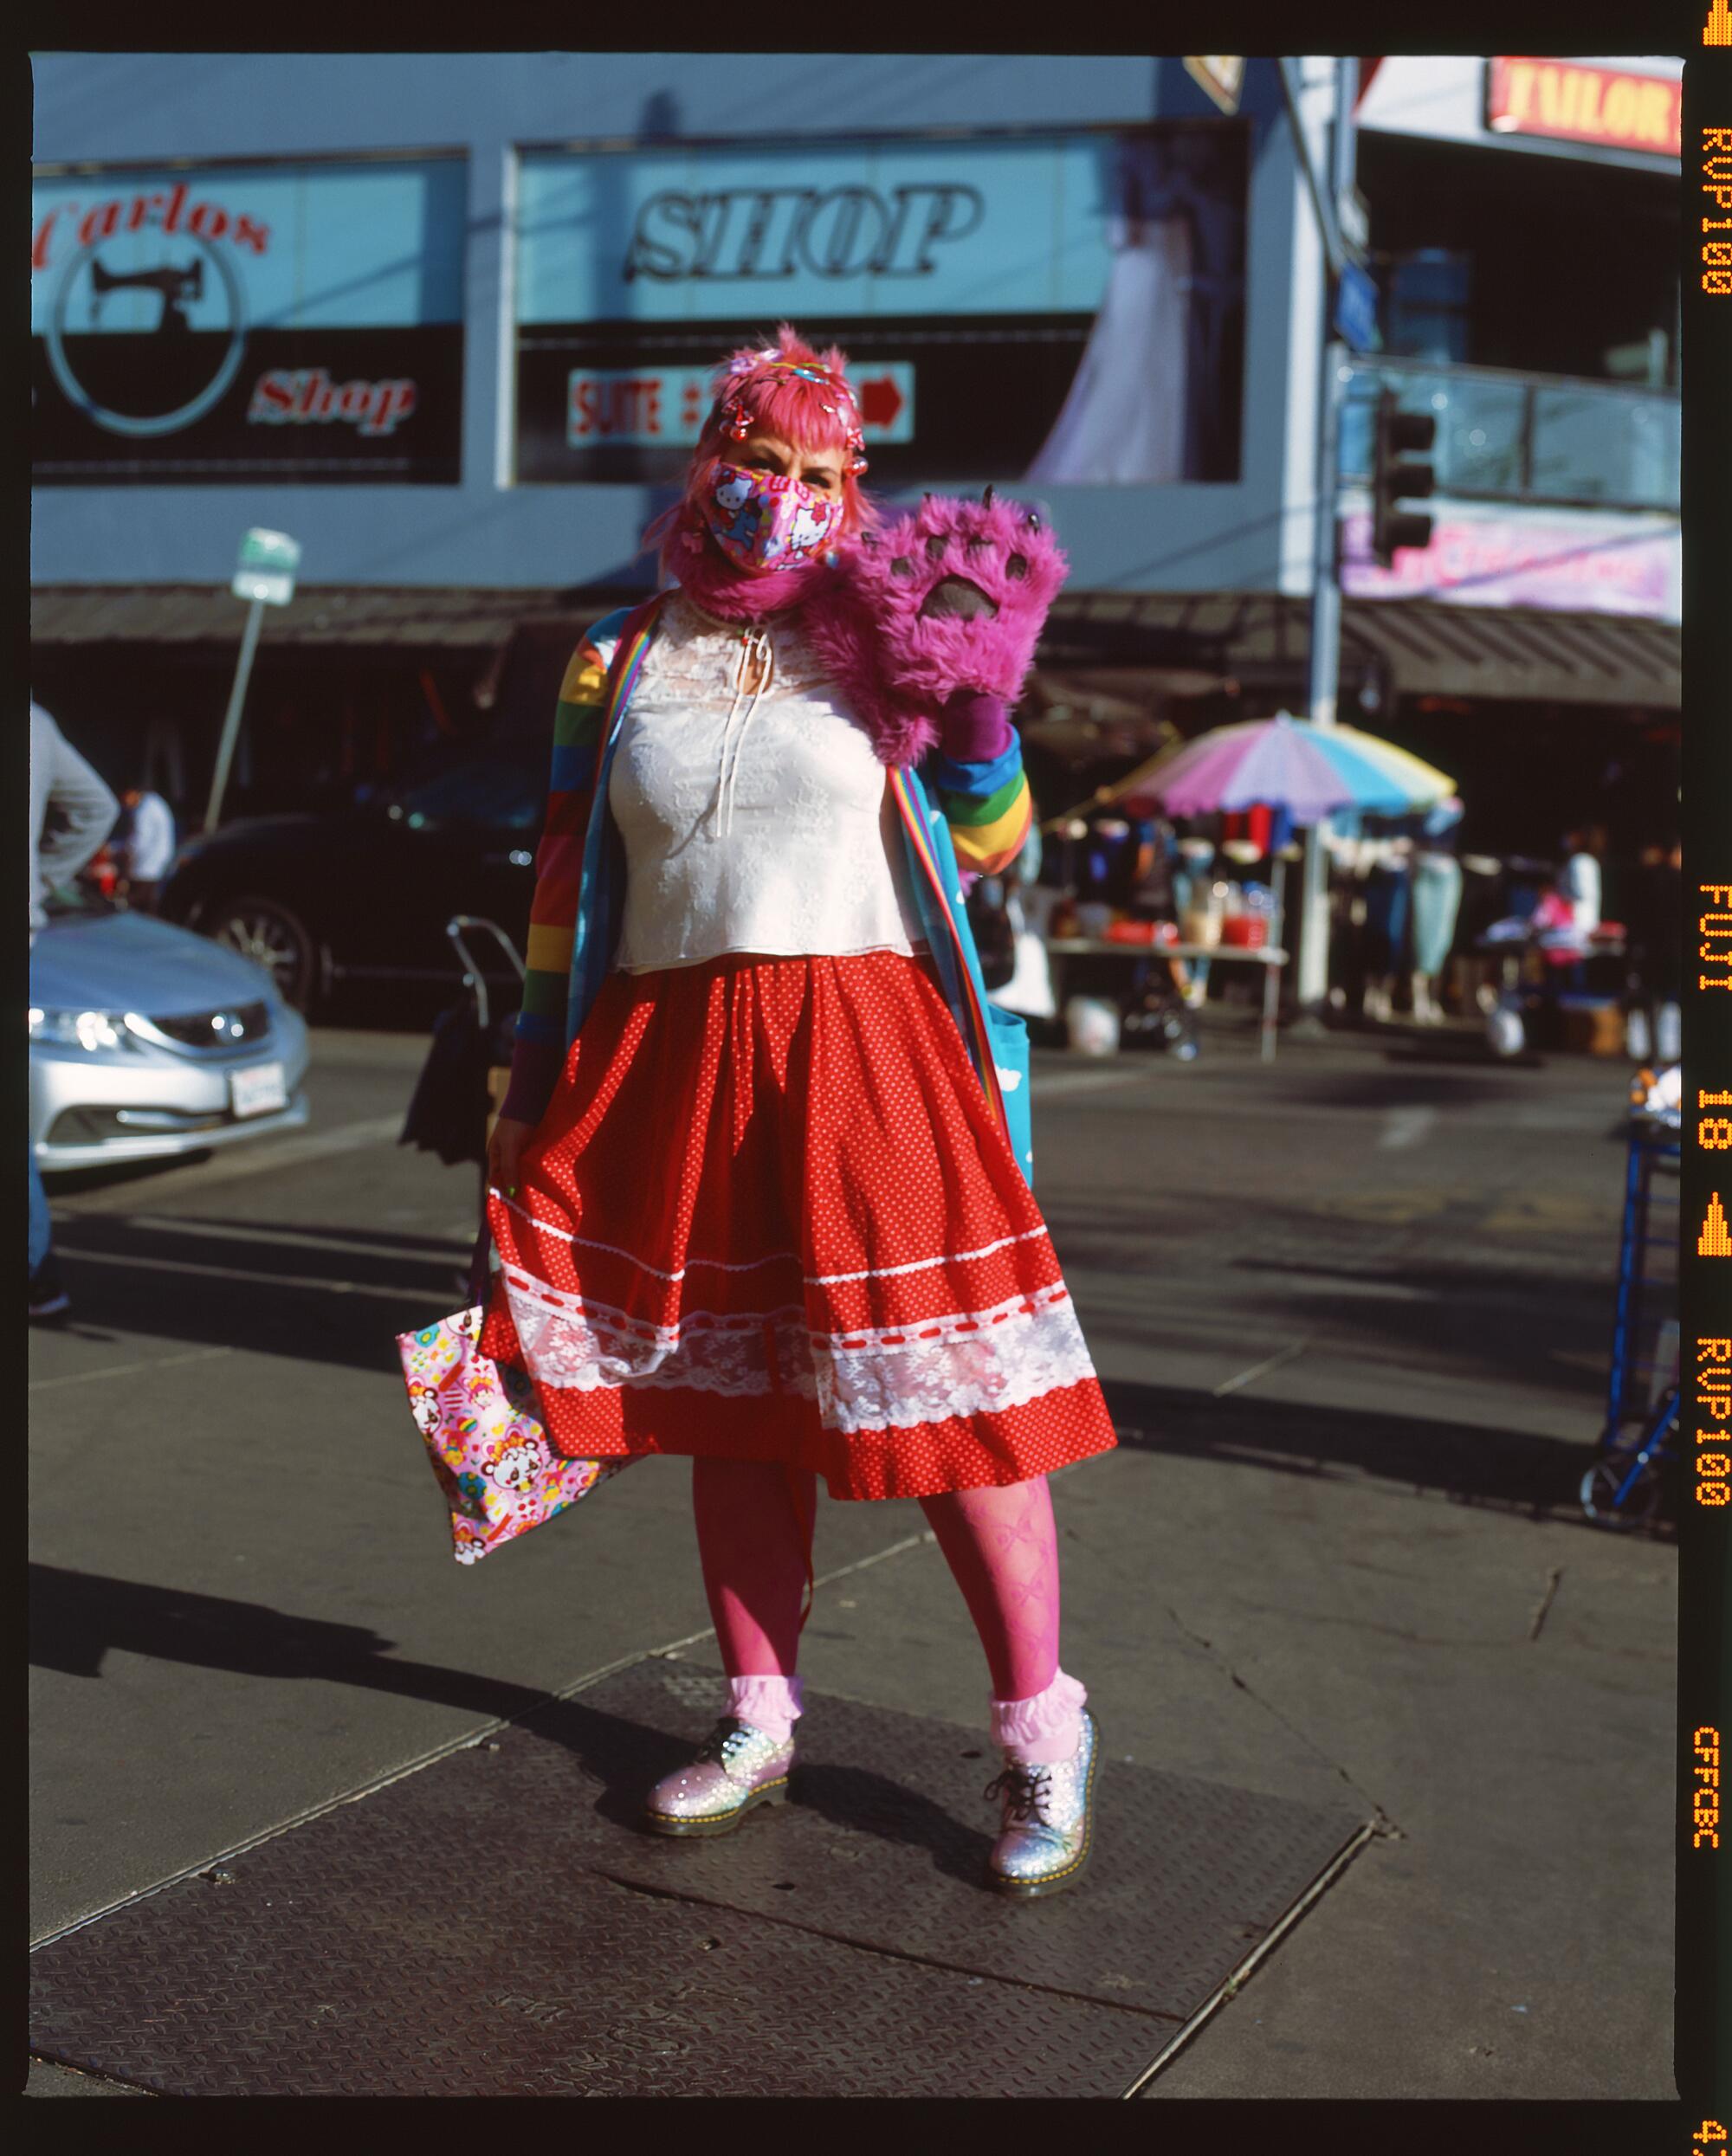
point(364, 895)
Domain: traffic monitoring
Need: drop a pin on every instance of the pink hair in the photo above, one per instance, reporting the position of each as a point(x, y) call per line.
point(758, 383)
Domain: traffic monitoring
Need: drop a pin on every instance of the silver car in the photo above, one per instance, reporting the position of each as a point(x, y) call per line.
point(147, 1040)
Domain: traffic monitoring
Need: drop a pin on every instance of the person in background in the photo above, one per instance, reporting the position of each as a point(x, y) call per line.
point(1437, 900)
point(1029, 902)
point(62, 782)
point(1656, 922)
point(1666, 954)
point(146, 847)
point(1388, 893)
point(1340, 837)
point(1154, 896)
point(1580, 881)
point(1192, 872)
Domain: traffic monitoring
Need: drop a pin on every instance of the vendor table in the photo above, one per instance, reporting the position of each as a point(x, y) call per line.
point(1271, 957)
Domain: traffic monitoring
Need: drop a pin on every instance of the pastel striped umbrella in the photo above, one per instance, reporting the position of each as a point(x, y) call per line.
point(1291, 763)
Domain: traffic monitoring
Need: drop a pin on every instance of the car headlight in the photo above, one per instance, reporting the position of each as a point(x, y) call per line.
point(98, 1032)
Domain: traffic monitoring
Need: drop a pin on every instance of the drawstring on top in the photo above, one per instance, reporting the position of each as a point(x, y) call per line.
point(756, 657)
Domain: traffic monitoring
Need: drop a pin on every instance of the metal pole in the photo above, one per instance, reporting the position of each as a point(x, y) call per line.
point(1323, 212)
point(231, 720)
point(1312, 980)
point(1271, 974)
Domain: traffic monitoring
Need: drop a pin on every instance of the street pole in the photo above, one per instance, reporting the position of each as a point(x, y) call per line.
point(1311, 987)
point(231, 720)
point(1313, 980)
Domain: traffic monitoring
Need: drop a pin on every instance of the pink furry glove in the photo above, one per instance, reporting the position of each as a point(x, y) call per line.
point(958, 594)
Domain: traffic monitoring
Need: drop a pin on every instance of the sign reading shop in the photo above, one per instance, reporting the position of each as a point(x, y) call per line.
point(1065, 308)
point(747, 233)
point(244, 323)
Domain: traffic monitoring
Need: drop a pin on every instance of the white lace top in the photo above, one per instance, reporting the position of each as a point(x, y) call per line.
point(754, 813)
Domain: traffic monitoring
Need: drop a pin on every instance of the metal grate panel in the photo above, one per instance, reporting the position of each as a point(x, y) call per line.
point(885, 1841)
point(466, 1930)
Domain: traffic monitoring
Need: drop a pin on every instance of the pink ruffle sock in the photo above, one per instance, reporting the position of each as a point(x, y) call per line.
point(771, 1704)
point(1041, 1731)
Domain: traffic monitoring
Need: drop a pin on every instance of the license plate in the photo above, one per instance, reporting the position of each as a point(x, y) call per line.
point(255, 1092)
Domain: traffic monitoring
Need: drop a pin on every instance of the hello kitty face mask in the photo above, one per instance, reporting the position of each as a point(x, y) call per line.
point(762, 520)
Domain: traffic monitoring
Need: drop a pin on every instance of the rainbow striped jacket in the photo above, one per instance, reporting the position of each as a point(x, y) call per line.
point(956, 817)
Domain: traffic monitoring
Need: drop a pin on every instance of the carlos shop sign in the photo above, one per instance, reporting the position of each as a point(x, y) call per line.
point(182, 325)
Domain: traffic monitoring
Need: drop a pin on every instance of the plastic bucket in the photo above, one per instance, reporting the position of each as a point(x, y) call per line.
point(1091, 1025)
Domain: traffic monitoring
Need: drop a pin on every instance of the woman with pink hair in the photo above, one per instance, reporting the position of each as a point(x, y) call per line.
point(759, 1188)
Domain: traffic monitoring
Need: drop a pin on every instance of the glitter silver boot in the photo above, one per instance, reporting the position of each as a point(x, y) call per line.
point(738, 1765)
point(1048, 1820)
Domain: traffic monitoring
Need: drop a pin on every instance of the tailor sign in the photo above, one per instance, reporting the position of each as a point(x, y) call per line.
point(964, 279)
point(242, 323)
point(1574, 103)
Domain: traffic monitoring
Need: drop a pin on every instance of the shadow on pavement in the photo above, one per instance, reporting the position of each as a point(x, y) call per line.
point(1480, 1326)
point(1512, 1470)
point(118, 1174)
point(313, 1316)
point(77, 1617)
point(630, 1758)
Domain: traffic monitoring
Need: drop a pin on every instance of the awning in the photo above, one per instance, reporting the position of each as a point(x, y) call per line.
point(1127, 644)
point(416, 619)
point(1410, 647)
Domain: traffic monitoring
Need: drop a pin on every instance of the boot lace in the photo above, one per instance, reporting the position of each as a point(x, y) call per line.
point(714, 1746)
point(1026, 1789)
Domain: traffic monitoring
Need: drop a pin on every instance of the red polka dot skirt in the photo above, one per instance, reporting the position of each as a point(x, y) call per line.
point(768, 1216)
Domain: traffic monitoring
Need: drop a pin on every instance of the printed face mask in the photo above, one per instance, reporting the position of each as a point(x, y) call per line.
point(761, 520)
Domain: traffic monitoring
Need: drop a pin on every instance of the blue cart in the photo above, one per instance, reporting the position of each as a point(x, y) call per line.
point(1637, 1450)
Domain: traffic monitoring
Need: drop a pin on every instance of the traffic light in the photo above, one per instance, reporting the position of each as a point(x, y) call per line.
point(1397, 477)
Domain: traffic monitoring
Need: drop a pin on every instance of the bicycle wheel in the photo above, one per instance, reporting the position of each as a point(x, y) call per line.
point(1600, 1486)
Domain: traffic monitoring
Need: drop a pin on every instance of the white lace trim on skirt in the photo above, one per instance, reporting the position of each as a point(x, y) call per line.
point(890, 1377)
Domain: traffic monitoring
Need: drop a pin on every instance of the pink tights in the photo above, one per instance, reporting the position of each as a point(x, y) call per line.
point(754, 1526)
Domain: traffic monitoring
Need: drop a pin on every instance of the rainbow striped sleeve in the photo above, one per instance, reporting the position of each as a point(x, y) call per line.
point(986, 805)
point(577, 720)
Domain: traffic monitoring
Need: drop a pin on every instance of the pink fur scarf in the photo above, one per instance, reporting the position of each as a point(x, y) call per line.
point(948, 602)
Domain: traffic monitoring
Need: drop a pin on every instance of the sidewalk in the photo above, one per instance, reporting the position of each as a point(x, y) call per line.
point(1336, 1556)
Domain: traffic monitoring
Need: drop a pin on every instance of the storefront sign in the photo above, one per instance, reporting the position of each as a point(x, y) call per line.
point(246, 323)
point(1607, 563)
point(652, 406)
point(964, 279)
point(1573, 103)
point(1222, 74)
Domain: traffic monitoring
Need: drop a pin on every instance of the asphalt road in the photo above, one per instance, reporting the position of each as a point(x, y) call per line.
point(1352, 1314)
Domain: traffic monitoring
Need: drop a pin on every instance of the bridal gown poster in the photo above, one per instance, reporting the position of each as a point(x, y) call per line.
point(1062, 309)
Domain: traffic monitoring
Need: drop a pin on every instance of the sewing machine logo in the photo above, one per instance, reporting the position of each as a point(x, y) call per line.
point(187, 356)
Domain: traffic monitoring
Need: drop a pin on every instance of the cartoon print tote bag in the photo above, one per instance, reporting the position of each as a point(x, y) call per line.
point(500, 1473)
